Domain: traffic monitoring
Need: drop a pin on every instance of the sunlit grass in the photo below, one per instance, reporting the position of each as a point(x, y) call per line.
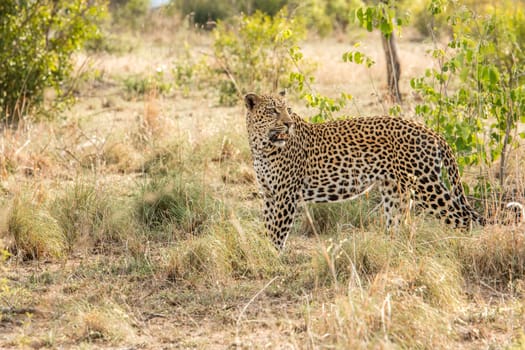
point(227, 251)
point(154, 236)
point(36, 233)
point(177, 205)
point(90, 216)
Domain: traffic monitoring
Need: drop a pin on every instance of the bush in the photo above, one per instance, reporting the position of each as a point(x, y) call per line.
point(37, 40)
point(253, 54)
point(129, 13)
point(475, 97)
point(201, 11)
point(324, 16)
point(138, 85)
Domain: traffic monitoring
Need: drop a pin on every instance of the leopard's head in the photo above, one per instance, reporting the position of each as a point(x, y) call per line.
point(268, 119)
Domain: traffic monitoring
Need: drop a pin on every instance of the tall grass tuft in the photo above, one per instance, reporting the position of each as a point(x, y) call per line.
point(226, 251)
point(36, 233)
point(107, 323)
point(90, 216)
point(360, 255)
point(495, 257)
point(426, 267)
point(173, 204)
point(327, 218)
point(390, 290)
point(379, 319)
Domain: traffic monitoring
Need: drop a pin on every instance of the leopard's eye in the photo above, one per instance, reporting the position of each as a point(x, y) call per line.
point(289, 110)
point(273, 111)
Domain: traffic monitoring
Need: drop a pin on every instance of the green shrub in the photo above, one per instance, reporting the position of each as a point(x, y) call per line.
point(129, 13)
point(253, 53)
point(475, 97)
point(428, 19)
point(270, 7)
point(139, 85)
point(200, 11)
point(37, 39)
point(325, 16)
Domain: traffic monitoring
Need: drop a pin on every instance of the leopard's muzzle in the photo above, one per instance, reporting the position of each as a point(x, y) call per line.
point(280, 134)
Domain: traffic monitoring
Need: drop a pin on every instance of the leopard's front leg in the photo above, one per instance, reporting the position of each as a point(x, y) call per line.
point(279, 212)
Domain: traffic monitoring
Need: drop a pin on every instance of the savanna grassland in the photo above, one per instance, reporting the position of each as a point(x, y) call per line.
point(133, 221)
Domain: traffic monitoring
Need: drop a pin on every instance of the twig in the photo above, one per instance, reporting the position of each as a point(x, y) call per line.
point(28, 141)
point(227, 71)
point(238, 323)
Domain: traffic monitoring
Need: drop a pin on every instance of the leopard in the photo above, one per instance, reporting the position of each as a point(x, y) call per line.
point(298, 161)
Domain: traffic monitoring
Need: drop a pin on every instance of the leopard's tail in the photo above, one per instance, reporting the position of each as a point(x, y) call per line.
point(515, 211)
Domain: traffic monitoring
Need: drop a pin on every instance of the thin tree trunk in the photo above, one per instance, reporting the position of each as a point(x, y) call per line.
point(393, 67)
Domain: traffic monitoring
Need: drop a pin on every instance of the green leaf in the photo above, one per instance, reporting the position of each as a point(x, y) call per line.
point(493, 75)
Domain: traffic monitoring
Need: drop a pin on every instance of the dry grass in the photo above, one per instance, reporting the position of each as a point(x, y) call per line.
point(36, 234)
point(135, 222)
point(107, 323)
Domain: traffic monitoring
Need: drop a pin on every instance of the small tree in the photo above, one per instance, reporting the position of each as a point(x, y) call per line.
point(37, 39)
point(384, 17)
point(476, 96)
point(254, 53)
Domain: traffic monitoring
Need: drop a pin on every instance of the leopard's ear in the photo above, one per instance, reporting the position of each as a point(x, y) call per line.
point(251, 100)
point(282, 93)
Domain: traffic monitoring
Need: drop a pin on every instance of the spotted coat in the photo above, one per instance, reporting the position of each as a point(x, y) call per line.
point(334, 161)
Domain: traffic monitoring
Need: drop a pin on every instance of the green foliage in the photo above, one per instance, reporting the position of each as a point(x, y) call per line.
point(37, 39)
point(358, 57)
point(138, 85)
point(325, 105)
point(260, 53)
point(430, 18)
point(324, 16)
point(203, 10)
point(384, 16)
point(270, 7)
point(190, 73)
point(302, 82)
point(475, 97)
point(253, 54)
